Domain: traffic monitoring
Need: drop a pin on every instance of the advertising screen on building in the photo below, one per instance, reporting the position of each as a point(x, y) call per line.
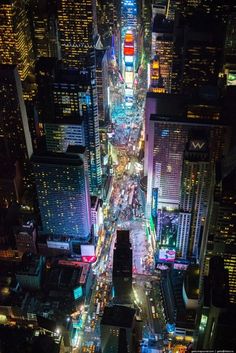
point(78, 292)
point(231, 78)
point(167, 255)
point(129, 59)
point(129, 38)
point(129, 68)
point(58, 245)
point(180, 266)
point(89, 259)
point(87, 250)
point(154, 202)
point(128, 50)
point(198, 145)
point(129, 77)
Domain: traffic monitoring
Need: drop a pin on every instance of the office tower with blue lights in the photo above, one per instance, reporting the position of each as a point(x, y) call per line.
point(78, 39)
point(63, 195)
point(69, 114)
point(15, 140)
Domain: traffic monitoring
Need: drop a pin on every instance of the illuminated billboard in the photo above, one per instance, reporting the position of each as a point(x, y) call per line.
point(89, 259)
point(129, 38)
point(154, 202)
point(180, 266)
point(129, 77)
point(58, 245)
point(87, 250)
point(129, 59)
point(198, 145)
point(78, 292)
point(129, 68)
point(167, 255)
point(128, 50)
point(231, 78)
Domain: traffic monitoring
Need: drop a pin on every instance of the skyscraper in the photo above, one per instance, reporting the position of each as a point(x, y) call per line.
point(15, 140)
point(102, 84)
point(107, 20)
point(198, 51)
point(222, 230)
point(44, 28)
point(69, 114)
point(166, 134)
point(16, 45)
point(118, 330)
point(63, 195)
point(162, 45)
point(196, 191)
point(78, 30)
point(122, 268)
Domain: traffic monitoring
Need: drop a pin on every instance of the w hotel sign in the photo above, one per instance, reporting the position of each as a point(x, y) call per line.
point(198, 145)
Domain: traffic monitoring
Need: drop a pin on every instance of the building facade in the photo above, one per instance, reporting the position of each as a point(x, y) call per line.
point(77, 38)
point(16, 44)
point(63, 195)
point(15, 140)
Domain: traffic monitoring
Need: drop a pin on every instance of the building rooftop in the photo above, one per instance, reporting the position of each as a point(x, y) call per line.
point(122, 263)
point(118, 315)
point(76, 149)
point(68, 274)
point(162, 25)
point(122, 238)
point(30, 265)
point(58, 159)
point(191, 281)
point(203, 104)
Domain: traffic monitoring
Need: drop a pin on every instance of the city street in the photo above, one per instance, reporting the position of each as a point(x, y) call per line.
point(124, 212)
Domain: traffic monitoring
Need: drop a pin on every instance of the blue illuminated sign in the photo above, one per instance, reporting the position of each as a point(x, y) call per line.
point(78, 292)
point(154, 201)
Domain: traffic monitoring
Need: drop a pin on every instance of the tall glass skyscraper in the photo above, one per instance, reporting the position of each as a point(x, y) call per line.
point(196, 192)
point(70, 114)
point(63, 195)
point(166, 134)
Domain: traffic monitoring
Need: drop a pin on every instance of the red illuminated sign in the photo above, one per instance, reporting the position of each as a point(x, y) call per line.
point(128, 51)
point(89, 259)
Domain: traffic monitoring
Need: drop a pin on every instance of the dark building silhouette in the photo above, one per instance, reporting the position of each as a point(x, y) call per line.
point(118, 330)
point(122, 269)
